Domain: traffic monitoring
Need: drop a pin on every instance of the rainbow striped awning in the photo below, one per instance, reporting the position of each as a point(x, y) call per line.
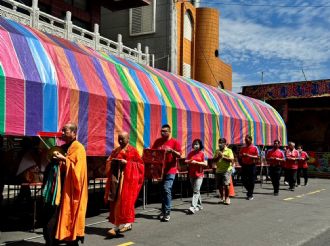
point(46, 81)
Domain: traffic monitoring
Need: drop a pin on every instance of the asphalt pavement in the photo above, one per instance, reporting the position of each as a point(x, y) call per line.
point(297, 218)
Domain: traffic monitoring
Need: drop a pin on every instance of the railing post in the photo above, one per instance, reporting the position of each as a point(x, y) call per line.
point(96, 37)
point(68, 26)
point(120, 45)
point(139, 53)
point(153, 60)
point(35, 14)
point(146, 50)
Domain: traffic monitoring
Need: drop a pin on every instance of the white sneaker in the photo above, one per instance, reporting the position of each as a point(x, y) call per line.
point(166, 218)
point(192, 210)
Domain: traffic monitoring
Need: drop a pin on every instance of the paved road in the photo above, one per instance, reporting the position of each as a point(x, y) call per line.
point(293, 218)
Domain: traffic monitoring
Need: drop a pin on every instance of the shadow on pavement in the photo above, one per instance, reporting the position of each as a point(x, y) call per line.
point(23, 243)
point(148, 216)
point(96, 230)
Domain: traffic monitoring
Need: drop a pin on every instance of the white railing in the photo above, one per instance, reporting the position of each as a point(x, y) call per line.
point(33, 17)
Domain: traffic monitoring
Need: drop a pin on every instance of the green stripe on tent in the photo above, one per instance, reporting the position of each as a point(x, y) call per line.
point(214, 121)
point(133, 104)
point(248, 118)
point(2, 100)
point(174, 108)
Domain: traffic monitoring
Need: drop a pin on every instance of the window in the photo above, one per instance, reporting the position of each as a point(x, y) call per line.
point(188, 27)
point(186, 70)
point(142, 20)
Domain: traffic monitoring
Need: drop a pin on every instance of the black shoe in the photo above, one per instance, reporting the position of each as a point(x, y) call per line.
point(166, 218)
point(275, 193)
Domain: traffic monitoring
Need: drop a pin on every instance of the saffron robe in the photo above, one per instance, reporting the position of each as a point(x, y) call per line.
point(131, 178)
point(74, 195)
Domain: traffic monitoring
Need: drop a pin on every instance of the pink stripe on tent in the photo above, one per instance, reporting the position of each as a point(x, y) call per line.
point(15, 87)
point(97, 108)
point(155, 107)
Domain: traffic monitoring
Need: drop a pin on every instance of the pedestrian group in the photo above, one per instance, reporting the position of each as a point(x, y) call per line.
point(66, 184)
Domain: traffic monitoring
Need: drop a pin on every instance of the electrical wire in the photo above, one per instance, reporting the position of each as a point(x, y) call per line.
point(262, 5)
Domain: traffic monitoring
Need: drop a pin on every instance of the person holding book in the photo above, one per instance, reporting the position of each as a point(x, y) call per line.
point(125, 173)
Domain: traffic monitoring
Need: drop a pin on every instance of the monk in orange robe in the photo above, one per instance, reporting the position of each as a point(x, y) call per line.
point(125, 172)
point(74, 191)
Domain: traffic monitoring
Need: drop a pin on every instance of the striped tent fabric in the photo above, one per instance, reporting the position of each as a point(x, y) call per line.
point(46, 81)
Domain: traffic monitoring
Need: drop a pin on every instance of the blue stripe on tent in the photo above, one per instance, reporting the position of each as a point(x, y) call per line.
point(147, 110)
point(111, 104)
point(48, 78)
point(83, 98)
point(33, 87)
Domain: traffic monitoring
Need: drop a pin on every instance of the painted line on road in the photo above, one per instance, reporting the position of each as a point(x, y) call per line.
point(288, 199)
point(303, 195)
point(126, 244)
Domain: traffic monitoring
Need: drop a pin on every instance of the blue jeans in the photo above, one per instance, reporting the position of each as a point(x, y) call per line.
point(167, 193)
point(196, 184)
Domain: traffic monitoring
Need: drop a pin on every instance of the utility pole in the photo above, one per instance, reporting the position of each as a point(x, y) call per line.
point(302, 70)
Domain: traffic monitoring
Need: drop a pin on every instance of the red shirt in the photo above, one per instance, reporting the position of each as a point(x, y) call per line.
point(302, 162)
point(291, 164)
point(275, 153)
point(170, 159)
point(250, 150)
point(196, 170)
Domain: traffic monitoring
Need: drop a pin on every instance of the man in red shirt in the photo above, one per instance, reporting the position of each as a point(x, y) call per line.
point(249, 155)
point(302, 165)
point(291, 155)
point(275, 158)
point(173, 151)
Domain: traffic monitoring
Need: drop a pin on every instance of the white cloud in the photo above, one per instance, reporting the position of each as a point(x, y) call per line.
point(278, 41)
point(305, 44)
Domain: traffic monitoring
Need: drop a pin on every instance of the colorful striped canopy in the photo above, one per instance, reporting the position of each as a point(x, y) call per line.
point(46, 81)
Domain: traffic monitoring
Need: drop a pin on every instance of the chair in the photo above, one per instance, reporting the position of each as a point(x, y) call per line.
point(36, 188)
point(209, 171)
point(182, 172)
point(263, 165)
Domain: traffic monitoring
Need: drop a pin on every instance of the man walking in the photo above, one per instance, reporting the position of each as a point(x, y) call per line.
point(173, 151)
point(248, 155)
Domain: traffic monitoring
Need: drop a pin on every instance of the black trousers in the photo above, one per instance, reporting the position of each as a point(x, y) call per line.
point(50, 215)
point(275, 175)
point(248, 178)
point(302, 171)
point(286, 174)
point(292, 176)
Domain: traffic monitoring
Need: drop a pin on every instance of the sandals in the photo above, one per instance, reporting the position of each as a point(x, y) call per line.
point(112, 232)
point(126, 228)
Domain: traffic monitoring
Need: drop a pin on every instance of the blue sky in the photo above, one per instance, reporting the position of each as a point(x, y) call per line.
point(277, 37)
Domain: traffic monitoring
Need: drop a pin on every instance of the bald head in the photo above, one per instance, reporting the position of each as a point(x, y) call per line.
point(123, 138)
point(69, 132)
point(72, 126)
